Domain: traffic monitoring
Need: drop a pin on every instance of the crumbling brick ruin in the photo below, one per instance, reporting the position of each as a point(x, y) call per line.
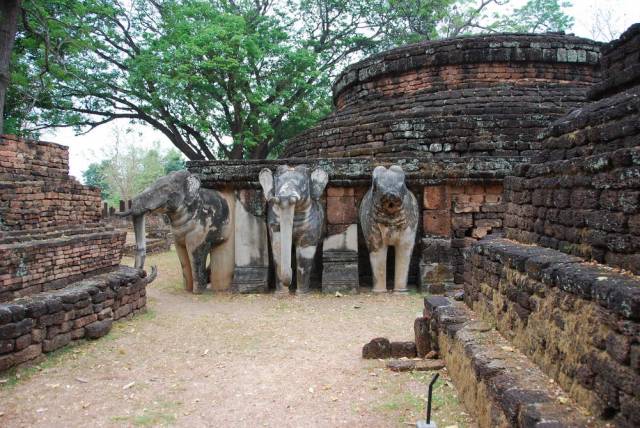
point(60, 278)
point(561, 287)
point(458, 115)
point(523, 153)
point(474, 96)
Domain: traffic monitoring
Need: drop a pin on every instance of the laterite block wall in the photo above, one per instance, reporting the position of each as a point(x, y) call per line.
point(50, 230)
point(563, 286)
point(30, 327)
point(470, 96)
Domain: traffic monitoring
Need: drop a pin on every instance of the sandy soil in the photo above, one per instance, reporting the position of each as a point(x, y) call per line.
point(231, 361)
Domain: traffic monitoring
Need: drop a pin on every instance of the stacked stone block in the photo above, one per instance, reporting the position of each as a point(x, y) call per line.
point(50, 230)
point(497, 383)
point(455, 216)
point(471, 96)
point(35, 265)
point(40, 324)
point(581, 192)
point(578, 322)
point(563, 287)
point(340, 247)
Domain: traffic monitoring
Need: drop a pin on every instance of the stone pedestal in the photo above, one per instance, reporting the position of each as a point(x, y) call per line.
point(340, 261)
point(251, 272)
point(436, 270)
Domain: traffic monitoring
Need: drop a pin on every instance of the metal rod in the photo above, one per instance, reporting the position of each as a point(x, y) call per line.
point(433, 380)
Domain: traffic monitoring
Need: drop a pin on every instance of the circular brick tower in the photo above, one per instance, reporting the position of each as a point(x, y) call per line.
point(472, 96)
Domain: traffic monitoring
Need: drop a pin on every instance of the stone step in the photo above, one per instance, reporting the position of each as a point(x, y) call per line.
point(497, 383)
point(31, 264)
point(578, 321)
point(48, 321)
point(52, 232)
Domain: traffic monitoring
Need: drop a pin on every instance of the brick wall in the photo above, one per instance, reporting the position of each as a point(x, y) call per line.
point(30, 266)
point(50, 230)
point(481, 95)
point(620, 64)
point(581, 193)
point(30, 327)
point(36, 190)
point(20, 158)
point(578, 322)
point(577, 202)
point(462, 214)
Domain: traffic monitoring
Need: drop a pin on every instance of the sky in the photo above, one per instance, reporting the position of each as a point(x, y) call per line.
point(88, 148)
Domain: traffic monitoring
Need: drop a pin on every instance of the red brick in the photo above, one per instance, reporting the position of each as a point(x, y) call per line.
point(435, 197)
point(494, 189)
point(340, 191)
point(341, 210)
point(436, 222)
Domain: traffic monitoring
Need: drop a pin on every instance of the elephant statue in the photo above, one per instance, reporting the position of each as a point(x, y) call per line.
point(294, 216)
point(389, 217)
point(199, 222)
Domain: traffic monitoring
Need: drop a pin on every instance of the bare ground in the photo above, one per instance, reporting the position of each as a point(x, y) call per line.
point(229, 360)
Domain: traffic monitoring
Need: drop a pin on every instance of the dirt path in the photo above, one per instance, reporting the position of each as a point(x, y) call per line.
point(231, 361)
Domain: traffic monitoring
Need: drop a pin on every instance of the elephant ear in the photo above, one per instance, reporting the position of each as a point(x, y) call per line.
point(378, 170)
point(397, 169)
point(266, 181)
point(319, 180)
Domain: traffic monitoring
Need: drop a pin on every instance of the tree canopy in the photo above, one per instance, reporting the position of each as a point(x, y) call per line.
point(219, 78)
point(127, 169)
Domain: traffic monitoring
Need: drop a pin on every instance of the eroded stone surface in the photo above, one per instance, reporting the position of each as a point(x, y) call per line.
point(51, 320)
point(380, 347)
point(499, 383)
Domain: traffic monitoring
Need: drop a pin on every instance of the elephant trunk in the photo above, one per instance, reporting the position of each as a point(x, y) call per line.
point(141, 249)
point(286, 237)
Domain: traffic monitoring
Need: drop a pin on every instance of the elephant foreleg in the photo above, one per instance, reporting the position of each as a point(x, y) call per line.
point(183, 256)
point(198, 258)
point(275, 249)
point(378, 261)
point(403, 259)
point(304, 261)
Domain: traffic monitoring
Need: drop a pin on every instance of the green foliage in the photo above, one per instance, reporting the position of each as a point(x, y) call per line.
point(127, 169)
point(95, 175)
point(173, 161)
point(537, 16)
point(219, 78)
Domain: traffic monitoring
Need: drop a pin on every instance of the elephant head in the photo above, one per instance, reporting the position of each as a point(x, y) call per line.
point(166, 195)
point(291, 190)
point(388, 189)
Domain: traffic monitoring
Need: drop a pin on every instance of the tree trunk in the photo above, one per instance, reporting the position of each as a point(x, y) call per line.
point(9, 10)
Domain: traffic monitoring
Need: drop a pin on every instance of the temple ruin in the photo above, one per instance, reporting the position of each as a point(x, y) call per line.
point(523, 152)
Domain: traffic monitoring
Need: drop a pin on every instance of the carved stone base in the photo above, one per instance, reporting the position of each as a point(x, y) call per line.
point(340, 272)
point(250, 279)
point(436, 267)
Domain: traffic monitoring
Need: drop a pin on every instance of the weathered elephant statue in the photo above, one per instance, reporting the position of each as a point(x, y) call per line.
point(199, 222)
point(294, 216)
point(389, 217)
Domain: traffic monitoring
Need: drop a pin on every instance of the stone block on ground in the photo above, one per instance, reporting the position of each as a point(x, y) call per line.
point(414, 365)
point(423, 339)
point(403, 349)
point(380, 347)
point(98, 329)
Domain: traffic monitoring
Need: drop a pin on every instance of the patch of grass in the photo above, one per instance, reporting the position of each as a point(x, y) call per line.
point(405, 403)
point(163, 414)
point(152, 419)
